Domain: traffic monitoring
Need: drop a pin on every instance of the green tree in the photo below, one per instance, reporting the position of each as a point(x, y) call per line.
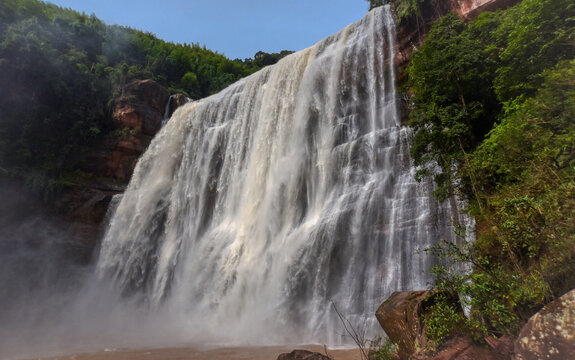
point(454, 103)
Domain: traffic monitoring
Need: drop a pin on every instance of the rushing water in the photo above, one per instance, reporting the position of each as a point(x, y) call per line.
point(254, 209)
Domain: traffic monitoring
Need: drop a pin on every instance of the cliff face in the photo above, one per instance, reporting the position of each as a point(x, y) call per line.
point(137, 116)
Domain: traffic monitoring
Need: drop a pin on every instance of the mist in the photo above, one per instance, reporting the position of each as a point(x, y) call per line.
point(51, 302)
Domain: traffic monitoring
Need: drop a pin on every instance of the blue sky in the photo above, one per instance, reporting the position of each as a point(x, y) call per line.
point(238, 29)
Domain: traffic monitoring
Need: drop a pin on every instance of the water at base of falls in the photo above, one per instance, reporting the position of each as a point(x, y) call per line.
point(256, 209)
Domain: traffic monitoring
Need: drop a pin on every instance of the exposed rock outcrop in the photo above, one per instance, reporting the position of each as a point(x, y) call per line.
point(176, 101)
point(549, 334)
point(303, 355)
point(399, 316)
point(141, 106)
point(470, 9)
point(137, 115)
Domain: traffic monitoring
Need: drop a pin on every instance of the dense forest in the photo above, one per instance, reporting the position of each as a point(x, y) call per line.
point(493, 112)
point(61, 69)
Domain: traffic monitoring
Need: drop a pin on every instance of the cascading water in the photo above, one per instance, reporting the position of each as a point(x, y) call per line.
point(254, 209)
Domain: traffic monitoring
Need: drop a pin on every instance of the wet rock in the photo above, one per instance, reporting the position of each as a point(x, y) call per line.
point(549, 334)
point(303, 355)
point(137, 115)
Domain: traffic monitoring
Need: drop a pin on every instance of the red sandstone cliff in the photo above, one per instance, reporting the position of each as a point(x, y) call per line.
point(137, 116)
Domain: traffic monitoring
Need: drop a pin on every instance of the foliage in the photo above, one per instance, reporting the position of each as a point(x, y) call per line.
point(536, 34)
point(500, 301)
point(375, 3)
point(466, 73)
point(454, 106)
point(525, 172)
point(443, 318)
point(524, 255)
point(64, 68)
point(406, 9)
point(383, 351)
point(262, 59)
point(493, 119)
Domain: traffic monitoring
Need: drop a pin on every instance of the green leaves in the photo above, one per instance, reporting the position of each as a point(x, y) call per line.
point(454, 106)
point(494, 108)
point(64, 70)
point(537, 34)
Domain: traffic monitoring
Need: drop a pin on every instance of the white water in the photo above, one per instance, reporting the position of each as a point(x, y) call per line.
point(255, 208)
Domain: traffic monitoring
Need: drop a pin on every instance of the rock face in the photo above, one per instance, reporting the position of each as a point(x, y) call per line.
point(303, 355)
point(399, 316)
point(137, 115)
point(175, 102)
point(470, 9)
point(549, 334)
point(141, 106)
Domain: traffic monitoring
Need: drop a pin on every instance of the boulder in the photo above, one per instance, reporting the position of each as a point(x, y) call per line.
point(399, 316)
point(303, 355)
point(549, 334)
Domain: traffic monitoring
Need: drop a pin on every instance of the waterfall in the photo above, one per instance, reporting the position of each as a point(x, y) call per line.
point(256, 208)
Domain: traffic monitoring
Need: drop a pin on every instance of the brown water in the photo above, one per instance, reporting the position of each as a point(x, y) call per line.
point(187, 353)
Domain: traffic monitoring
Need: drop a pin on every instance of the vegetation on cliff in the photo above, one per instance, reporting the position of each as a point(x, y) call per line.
point(493, 116)
point(61, 69)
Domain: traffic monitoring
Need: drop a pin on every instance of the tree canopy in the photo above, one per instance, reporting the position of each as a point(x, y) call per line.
point(63, 69)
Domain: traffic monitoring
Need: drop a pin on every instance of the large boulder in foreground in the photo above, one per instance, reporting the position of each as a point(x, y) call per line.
point(399, 316)
point(549, 334)
point(303, 355)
